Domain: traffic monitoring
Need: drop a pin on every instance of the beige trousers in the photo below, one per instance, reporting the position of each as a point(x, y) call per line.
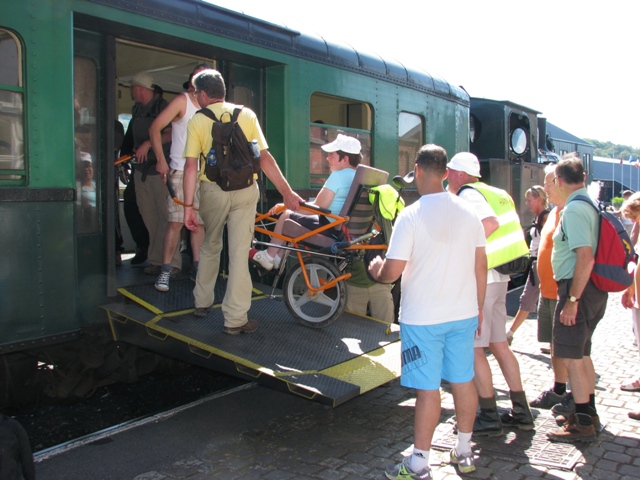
point(238, 211)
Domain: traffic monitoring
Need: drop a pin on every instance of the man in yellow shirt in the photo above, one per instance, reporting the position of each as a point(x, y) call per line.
point(236, 208)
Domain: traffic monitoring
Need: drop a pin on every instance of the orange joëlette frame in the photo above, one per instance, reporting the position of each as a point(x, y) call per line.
point(260, 217)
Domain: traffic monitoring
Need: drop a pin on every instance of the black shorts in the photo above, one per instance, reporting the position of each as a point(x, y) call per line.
point(575, 341)
point(313, 222)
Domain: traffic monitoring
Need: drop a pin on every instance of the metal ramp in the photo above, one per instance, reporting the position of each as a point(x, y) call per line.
point(330, 365)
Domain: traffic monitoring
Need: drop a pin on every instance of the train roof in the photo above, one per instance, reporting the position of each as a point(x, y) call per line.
point(506, 103)
point(211, 18)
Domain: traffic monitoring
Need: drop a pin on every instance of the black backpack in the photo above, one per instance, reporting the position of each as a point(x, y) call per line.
point(236, 162)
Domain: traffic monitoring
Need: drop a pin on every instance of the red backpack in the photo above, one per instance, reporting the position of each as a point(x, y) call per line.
point(613, 252)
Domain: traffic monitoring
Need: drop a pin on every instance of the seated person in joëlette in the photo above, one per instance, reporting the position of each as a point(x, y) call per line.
point(344, 157)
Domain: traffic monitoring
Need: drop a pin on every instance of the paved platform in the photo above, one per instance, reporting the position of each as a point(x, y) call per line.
point(256, 433)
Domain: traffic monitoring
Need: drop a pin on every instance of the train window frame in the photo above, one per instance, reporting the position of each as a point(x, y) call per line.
point(408, 149)
point(331, 115)
point(12, 112)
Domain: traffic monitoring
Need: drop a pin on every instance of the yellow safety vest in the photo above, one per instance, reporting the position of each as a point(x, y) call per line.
point(507, 243)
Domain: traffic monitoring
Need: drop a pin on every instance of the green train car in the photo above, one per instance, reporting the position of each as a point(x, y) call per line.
point(63, 83)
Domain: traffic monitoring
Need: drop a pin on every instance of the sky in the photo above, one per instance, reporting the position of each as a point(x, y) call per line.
point(576, 62)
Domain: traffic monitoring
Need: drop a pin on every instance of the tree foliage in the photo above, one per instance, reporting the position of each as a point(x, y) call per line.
point(613, 150)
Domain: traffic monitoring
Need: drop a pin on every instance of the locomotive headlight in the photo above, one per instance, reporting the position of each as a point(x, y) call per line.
point(519, 141)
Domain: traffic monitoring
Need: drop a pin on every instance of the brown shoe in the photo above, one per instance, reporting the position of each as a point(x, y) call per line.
point(249, 327)
point(202, 312)
point(595, 421)
point(634, 415)
point(578, 428)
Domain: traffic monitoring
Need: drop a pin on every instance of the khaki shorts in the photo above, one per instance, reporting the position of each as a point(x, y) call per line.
point(175, 210)
point(494, 312)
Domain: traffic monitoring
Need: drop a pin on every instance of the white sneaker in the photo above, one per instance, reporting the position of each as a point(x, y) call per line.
point(162, 283)
point(262, 258)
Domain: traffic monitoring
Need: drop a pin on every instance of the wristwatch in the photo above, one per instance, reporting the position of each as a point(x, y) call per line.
point(573, 299)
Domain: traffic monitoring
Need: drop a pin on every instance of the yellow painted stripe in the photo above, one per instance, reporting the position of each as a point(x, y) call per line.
point(139, 301)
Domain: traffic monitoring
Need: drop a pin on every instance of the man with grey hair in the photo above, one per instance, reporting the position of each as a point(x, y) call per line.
point(151, 192)
point(581, 305)
point(442, 295)
point(236, 209)
point(549, 294)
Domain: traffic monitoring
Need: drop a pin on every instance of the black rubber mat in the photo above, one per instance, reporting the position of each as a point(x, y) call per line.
point(179, 297)
point(281, 343)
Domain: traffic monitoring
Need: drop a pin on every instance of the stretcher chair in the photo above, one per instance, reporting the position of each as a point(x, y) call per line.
point(314, 288)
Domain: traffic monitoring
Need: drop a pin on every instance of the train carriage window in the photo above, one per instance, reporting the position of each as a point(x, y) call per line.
point(409, 140)
point(12, 167)
point(86, 145)
point(329, 117)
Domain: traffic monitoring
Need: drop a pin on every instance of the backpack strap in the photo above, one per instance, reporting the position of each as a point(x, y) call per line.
point(586, 199)
point(208, 113)
point(236, 113)
point(582, 198)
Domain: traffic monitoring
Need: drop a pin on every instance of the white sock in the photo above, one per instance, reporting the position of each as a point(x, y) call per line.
point(266, 254)
point(419, 459)
point(277, 260)
point(463, 443)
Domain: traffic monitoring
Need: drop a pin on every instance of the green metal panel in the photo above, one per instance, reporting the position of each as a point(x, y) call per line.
point(37, 280)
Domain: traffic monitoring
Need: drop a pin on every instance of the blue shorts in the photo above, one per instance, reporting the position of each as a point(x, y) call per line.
point(431, 353)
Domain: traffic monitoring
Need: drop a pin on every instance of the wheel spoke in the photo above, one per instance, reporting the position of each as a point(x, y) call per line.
point(323, 299)
point(313, 275)
point(303, 299)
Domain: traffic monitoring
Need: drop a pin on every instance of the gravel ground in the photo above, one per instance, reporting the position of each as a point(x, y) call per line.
point(51, 424)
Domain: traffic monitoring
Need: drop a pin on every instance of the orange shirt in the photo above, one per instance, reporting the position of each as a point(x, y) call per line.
point(548, 286)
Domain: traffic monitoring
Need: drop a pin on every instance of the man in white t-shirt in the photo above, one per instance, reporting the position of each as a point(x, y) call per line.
point(438, 246)
point(464, 169)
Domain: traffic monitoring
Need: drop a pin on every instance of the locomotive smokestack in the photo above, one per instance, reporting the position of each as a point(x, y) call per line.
point(542, 133)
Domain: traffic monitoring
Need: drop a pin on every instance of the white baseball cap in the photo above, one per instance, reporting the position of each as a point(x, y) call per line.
point(343, 143)
point(465, 162)
point(143, 79)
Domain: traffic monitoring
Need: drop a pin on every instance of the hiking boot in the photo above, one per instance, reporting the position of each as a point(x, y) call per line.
point(162, 282)
point(519, 416)
point(465, 462)
point(139, 258)
point(547, 399)
point(249, 327)
point(262, 258)
point(578, 428)
point(488, 423)
point(403, 471)
point(566, 407)
point(595, 420)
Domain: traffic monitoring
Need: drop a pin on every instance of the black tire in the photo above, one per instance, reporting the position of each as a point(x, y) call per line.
point(323, 308)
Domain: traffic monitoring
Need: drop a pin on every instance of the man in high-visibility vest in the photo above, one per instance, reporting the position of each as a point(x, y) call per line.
point(505, 241)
